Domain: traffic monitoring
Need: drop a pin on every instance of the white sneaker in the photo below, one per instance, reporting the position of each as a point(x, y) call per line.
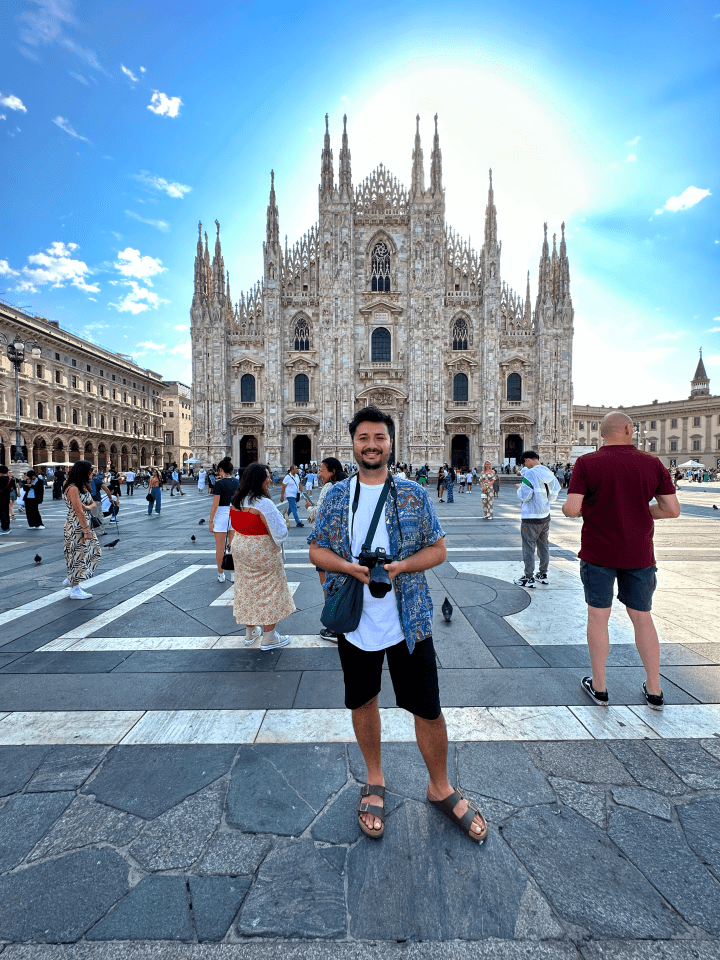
point(77, 594)
point(273, 640)
point(252, 634)
point(40, 527)
point(66, 582)
point(4, 533)
point(221, 577)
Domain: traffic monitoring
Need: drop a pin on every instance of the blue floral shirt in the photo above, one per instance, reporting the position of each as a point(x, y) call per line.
point(420, 528)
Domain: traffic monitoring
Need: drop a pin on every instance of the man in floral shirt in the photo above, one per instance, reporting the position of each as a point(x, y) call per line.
point(398, 623)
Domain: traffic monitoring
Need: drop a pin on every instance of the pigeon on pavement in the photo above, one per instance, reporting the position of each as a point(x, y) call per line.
point(447, 609)
point(714, 507)
point(38, 558)
point(113, 543)
point(201, 521)
point(193, 538)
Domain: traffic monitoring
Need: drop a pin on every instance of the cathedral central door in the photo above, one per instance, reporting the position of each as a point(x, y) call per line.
point(302, 449)
point(248, 451)
point(460, 450)
point(513, 446)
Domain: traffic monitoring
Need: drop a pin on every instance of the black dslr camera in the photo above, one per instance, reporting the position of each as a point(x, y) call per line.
point(375, 561)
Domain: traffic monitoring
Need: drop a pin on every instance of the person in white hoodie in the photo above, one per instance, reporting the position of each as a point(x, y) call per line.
point(536, 491)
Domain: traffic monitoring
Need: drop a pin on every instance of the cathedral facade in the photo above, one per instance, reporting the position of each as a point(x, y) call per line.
point(381, 302)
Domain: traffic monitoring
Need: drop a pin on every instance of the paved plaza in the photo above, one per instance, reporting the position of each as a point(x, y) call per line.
point(168, 792)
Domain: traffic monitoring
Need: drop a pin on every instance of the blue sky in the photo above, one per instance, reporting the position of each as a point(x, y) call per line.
point(125, 123)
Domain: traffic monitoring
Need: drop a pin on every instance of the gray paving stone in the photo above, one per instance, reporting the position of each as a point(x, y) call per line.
point(587, 761)
point(659, 850)
point(215, 901)
point(17, 766)
point(502, 771)
point(440, 873)
point(299, 659)
point(565, 654)
point(456, 654)
point(700, 820)
point(709, 651)
point(494, 811)
point(233, 854)
point(176, 838)
point(280, 789)
point(312, 905)
point(67, 767)
point(491, 628)
point(156, 909)
point(158, 618)
point(690, 762)
point(583, 798)
point(712, 747)
point(584, 874)
point(51, 662)
point(520, 656)
point(24, 819)
point(197, 661)
point(403, 766)
point(702, 683)
point(339, 822)
point(508, 600)
point(84, 823)
point(31, 908)
point(148, 780)
point(645, 800)
point(335, 856)
point(645, 767)
point(657, 950)
point(682, 655)
point(468, 593)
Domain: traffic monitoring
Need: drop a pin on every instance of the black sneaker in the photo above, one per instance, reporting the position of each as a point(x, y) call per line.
point(542, 578)
point(301, 524)
point(329, 635)
point(653, 701)
point(602, 698)
point(527, 582)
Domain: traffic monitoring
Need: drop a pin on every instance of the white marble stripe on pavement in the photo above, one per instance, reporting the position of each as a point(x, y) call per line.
point(465, 724)
point(11, 543)
point(114, 613)
point(210, 642)
point(35, 605)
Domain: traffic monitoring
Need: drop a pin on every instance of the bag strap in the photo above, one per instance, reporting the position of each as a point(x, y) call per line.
point(376, 516)
point(226, 538)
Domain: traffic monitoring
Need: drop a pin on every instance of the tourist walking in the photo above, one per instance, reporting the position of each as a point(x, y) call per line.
point(176, 482)
point(450, 484)
point(82, 547)
point(496, 487)
point(130, 482)
point(396, 615)
point(612, 490)
point(469, 481)
point(7, 485)
point(291, 489)
point(219, 522)
point(202, 476)
point(59, 479)
point(154, 494)
point(261, 594)
point(211, 481)
point(536, 491)
point(488, 479)
point(330, 473)
point(34, 489)
point(97, 488)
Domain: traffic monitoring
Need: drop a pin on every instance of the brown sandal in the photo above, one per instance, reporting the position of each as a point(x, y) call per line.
point(465, 822)
point(365, 791)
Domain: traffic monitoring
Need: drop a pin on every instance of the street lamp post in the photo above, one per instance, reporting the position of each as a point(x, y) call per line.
point(638, 435)
point(17, 350)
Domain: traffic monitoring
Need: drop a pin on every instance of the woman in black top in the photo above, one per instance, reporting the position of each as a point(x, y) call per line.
point(223, 492)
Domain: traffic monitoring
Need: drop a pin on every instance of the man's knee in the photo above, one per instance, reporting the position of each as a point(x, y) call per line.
point(368, 707)
point(437, 722)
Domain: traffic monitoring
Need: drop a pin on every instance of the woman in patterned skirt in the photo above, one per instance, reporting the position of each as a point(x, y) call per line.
point(261, 595)
point(82, 549)
point(488, 478)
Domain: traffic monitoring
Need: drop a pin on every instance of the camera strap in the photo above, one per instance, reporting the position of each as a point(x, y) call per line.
point(376, 516)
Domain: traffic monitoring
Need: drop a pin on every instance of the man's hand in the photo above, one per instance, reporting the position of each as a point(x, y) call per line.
point(359, 572)
point(394, 568)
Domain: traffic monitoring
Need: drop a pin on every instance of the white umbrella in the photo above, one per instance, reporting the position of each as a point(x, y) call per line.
point(193, 460)
point(692, 463)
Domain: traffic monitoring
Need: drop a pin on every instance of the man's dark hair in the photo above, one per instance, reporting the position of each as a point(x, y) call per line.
point(528, 455)
point(226, 465)
point(3, 468)
point(251, 484)
point(372, 414)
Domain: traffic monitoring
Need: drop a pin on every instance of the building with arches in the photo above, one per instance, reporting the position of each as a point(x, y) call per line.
point(77, 400)
point(177, 414)
point(381, 302)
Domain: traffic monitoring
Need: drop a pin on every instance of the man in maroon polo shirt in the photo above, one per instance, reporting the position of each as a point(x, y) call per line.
point(611, 489)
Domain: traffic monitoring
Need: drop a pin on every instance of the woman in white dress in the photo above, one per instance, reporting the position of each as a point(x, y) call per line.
point(261, 595)
point(201, 480)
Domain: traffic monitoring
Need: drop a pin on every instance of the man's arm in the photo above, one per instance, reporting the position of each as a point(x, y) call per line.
point(572, 507)
point(424, 559)
point(329, 560)
point(666, 508)
point(282, 493)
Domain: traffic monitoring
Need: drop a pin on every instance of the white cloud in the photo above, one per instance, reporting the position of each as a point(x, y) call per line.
point(129, 73)
point(182, 349)
point(163, 105)
point(178, 326)
point(150, 345)
point(713, 361)
point(688, 198)
point(142, 69)
point(149, 180)
point(138, 299)
point(630, 158)
point(12, 103)
point(131, 264)
point(159, 224)
point(2, 116)
point(65, 125)
point(7, 271)
point(79, 77)
point(672, 336)
point(57, 267)
point(632, 143)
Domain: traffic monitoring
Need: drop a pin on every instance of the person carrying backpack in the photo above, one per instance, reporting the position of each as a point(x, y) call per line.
point(536, 491)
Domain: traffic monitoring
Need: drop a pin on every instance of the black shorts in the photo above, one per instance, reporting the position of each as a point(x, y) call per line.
point(635, 587)
point(414, 676)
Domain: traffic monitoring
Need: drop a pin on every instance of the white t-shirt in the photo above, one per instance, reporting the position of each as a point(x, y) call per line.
point(469, 478)
point(292, 485)
point(380, 625)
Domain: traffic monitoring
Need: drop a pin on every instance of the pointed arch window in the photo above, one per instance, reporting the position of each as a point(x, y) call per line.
point(247, 388)
point(301, 334)
point(381, 345)
point(380, 266)
point(514, 387)
point(460, 334)
point(460, 388)
point(302, 388)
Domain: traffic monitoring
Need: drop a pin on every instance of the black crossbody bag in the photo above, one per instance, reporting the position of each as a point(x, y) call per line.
point(343, 608)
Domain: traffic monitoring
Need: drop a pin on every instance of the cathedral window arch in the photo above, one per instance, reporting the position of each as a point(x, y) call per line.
point(247, 388)
point(460, 334)
point(381, 345)
point(514, 387)
point(460, 388)
point(301, 334)
point(380, 267)
point(302, 388)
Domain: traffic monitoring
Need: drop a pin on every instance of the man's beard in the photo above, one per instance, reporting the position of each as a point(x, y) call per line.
point(380, 464)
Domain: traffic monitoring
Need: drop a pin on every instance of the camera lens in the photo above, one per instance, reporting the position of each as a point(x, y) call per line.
point(379, 582)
